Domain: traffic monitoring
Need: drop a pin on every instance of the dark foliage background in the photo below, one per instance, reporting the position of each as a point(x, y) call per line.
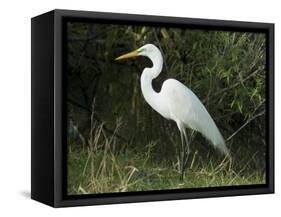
point(226, 70)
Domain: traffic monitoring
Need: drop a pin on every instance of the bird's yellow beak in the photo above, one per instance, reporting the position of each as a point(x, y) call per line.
point(128, 55)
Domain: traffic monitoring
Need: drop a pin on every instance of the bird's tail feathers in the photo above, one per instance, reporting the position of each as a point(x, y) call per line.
point(219, 143)
point(216, 139)
point(223, 149)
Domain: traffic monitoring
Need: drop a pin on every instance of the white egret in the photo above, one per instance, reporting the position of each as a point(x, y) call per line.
point(178, 103)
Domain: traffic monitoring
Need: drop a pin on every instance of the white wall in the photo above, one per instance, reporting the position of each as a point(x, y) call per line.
point(15, 106)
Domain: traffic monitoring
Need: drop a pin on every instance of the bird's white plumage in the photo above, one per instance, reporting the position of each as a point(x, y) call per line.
point(177, 102)
point(187, 109)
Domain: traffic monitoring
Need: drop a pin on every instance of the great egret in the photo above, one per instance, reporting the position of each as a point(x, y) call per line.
point(178, 103)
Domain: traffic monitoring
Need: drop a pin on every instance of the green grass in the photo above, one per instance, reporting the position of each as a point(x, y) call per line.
point(105, 166)
point(102, 171)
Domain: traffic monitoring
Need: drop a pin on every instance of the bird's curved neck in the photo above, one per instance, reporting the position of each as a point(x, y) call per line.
point(147, 76)
point(157, 63)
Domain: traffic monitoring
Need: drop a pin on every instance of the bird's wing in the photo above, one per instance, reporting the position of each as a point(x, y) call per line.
point(185, 106)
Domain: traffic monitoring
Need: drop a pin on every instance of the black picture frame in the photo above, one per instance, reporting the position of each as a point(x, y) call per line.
point(48, 163)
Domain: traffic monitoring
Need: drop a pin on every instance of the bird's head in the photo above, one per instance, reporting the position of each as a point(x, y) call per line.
point(148, 50)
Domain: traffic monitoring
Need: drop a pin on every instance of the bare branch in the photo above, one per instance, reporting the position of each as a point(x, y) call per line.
point(97, 119)
point(245, 124)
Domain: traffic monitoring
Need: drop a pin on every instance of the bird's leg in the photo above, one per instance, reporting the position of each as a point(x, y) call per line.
point(186, 150)
point(181, 155)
